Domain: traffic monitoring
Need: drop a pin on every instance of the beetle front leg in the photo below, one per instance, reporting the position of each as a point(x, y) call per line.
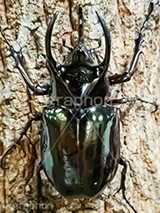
point(123, 179)
point(126, 76)
point(21, 66)
point(8, 150)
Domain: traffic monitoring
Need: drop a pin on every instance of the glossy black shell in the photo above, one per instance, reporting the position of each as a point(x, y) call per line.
point(80, 152)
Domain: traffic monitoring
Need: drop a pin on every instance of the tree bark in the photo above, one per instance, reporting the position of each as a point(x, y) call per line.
point(24, 23)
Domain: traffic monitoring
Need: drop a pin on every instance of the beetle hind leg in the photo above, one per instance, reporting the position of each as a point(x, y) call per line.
point(17, 143)
point(123, 163)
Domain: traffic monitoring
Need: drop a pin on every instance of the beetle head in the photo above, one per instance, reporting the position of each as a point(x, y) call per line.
point(80, 61)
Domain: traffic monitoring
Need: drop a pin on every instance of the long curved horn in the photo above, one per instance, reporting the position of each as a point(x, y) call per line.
point(50, 58)
point(105, 62)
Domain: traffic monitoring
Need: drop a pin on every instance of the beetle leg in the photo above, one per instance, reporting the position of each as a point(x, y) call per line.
point(17, 143)
point(21, 66)
point(39, 186)
point(130, 100)
point(126, 76)
point(123, 179)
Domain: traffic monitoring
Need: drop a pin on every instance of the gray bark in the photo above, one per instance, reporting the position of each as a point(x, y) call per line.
point(25, 23)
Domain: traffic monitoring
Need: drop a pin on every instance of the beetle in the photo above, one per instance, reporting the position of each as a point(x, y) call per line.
point(81, 144)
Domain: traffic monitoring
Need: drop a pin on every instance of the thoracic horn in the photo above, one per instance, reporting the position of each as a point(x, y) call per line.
point(50, 58)
point(105, 62)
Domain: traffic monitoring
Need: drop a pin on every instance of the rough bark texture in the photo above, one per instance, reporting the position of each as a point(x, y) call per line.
point(25, 24)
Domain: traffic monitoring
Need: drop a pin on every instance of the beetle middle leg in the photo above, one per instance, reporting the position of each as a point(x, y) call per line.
point(12, 146)
point(131, 100)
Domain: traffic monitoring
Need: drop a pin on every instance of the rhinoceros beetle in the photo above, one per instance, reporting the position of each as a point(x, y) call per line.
point(81, 143)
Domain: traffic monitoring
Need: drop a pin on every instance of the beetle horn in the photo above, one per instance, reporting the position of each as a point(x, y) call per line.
point(80, 32)
point(105, 62)
point(50, 58)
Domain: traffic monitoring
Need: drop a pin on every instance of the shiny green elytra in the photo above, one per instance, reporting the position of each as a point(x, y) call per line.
point(83, 148)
